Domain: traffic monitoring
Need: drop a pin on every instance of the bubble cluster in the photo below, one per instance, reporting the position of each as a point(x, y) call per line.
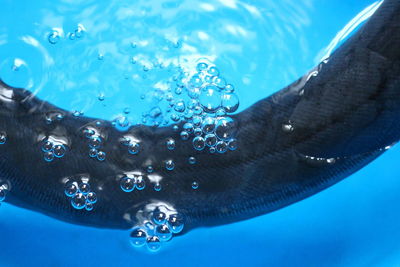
point(129, 182)
point(80, 194)
point(95, 143)
point(158, 227)
point(52, 149)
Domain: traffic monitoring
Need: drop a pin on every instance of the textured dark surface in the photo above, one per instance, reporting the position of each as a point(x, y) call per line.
point(348, 112)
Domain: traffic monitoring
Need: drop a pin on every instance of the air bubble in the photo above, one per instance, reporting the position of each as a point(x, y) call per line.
point(188, 127)
point(127, 184)
point(171, 144)
point(195, 185)
point(93, 153)
point(47, 146)
point(138, 237)
point(3, 193)
point(232, 144)
point(179, 106)
point(89, 206)
point(153, 243)
point(230, 102)
point(219, 82)
point(175, 223)
point(84, 188)
point(140, 183)
point(150, 169)
point(225, 128)
point(213, 71)
point(53, 37)
point(169, 165)
point(210, 99)
point(59, 151)
point(157, 187)
point(199, 143)
point(212, 150)
point(101, 155)
point(287, 128)
point(221, 147)
point(163, 232)
point(70, 189)
point(48, 156)
point(211, 140)
point(78, 201)
point(198, 132)
point(192, 160)
point(94, 141)
point(159, 217)
point(208, 125)
point(229, 88)
point(184, 135)
point(196, 121)
point(201, 66)
point(134, 148)
point(3, 138)
point(91, 197)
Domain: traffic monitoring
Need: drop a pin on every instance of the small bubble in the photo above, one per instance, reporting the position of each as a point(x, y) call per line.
point(3, 138)
point(127, 184)
point(199, 143)
point(175, 223)
point(91, 197)
point(225, 128)
point(138, 237)
point(211, 140)
point(188, 127)
point(287, 128)
point(201, 66)
point(3, 193)
point(219, 81)
point(210, 99)
point(71, 36)
point(331, 161)
point(213, 71)
point(89, 206)
point(79, 32)
point(171, 144)
point(229, 88)
point(196, 121)
point(93, 152)
point(78, 201)
point(48, 156)
point(150, 169)
point(212, 150)
point(140, 183)
point(159, 217)
point(163, 232)
point(230, 102)
point(221, 147)
point(175, 128)
point(84, 188)
point(169, 165)
point(101, 97)
point(192, 160)
point(133, 45)
point(184, 135)
point(101, 155)
point(95, 141)
point(195, 185)
point(70, 189)
point(134, 148)
point(208, 125)
point(100, 56)
point(47, 146)
point(59, 151)
point(53, 37)
point(127, 110)
point(179, 106)
point(232, 144)
point(157, 187)
point(153, 243)
point(198, 131)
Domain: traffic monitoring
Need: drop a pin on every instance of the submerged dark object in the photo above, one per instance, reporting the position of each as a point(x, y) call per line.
point(293, 144)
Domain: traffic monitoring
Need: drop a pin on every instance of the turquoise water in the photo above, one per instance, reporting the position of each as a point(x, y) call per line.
point(259, 48)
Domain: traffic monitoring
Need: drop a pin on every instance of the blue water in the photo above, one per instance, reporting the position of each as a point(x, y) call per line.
point(259, 48)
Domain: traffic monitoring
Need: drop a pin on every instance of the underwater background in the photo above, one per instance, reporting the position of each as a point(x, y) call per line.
point(112, 59)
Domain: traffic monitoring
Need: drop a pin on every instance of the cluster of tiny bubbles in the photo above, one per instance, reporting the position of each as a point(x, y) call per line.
point(132, 145)
point(3, 138)
point(52, 150)
point(129, 182)
point(158, 225)
point(3, 191)
point(95, 143)
point(287, 127)
point(80, 194)
point(55, 36)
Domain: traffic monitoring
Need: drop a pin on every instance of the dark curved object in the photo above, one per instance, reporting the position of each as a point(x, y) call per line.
point(341, 120)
